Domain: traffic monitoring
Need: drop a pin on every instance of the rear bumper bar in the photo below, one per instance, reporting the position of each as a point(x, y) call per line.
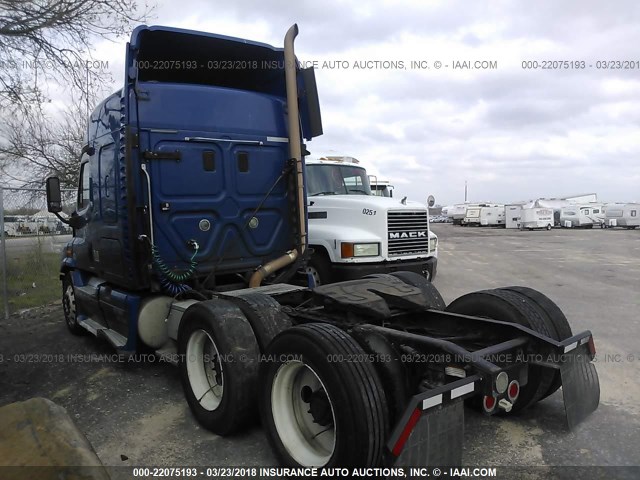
point(431, 429)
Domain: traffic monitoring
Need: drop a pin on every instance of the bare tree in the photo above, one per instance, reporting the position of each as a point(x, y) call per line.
point(36, 143)
point(45, 40)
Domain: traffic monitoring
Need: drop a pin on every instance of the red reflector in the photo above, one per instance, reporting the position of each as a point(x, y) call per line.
point(489, 403)
point(408, 428)
point(592, 346)
point(514, 390)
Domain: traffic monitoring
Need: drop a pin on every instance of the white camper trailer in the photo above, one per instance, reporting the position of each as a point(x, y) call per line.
point(472, 216)
point(536, 217)
point(623, 215)
point(457, 213)
point(586, 215)
point(485, 215)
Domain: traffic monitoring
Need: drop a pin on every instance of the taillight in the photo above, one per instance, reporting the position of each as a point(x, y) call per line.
point(489, 403)
point(513, 391)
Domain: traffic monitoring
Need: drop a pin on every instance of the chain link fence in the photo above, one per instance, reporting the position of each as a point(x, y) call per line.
point(30, 250)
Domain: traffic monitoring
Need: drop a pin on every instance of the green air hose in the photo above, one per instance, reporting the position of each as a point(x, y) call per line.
point(168, 273)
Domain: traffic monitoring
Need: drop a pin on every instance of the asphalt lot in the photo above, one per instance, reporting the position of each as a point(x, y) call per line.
point(134, 413)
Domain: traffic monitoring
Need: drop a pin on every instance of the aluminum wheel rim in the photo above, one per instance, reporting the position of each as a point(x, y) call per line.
point(204, 370)
point(315, 274)
point(308, 443)
point(70, 306)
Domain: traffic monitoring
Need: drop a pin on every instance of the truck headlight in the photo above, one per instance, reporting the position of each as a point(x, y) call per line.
point(349, 250)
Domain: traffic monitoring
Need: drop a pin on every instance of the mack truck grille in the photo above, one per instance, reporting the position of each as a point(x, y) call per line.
point(407, 232)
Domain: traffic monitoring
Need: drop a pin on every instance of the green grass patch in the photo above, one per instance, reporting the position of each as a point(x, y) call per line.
point(33, 279)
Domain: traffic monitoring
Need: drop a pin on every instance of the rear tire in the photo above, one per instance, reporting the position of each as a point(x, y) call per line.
point(218, 365)
point(265, 316)
point(69, 306)
point(320, 412)
point(561, 329)
point(510, 307)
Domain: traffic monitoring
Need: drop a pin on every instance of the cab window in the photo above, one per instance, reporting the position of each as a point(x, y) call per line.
point(84, 189)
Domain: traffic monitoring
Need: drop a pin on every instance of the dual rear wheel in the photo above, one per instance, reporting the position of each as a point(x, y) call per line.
point(529, 308)
point(320, 401)
point(319, 404)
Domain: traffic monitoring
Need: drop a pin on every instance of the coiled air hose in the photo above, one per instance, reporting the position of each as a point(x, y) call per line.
point(172, 282)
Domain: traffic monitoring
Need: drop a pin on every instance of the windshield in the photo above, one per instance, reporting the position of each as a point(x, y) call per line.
point(337, 180)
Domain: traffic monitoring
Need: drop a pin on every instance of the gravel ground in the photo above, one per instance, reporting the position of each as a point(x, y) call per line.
point(133, 412)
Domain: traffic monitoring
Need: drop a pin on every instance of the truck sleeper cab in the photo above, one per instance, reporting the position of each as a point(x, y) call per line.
point(192, 189)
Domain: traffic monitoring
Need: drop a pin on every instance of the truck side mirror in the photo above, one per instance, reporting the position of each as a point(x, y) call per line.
point(54, 195)
point(311, 103)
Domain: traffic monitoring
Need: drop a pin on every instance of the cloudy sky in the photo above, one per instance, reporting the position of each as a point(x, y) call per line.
point(512, 133)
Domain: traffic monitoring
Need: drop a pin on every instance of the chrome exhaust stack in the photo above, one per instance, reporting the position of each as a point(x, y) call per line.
point(295, 153)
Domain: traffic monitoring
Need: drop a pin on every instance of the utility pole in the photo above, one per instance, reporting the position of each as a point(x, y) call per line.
point(3, 258)
point(465, 191)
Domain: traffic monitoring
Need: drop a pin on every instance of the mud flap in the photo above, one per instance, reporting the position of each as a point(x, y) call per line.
point(436, 438)
point(580, 387)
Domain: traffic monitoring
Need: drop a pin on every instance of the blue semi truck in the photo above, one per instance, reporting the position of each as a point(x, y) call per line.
point(191, 218)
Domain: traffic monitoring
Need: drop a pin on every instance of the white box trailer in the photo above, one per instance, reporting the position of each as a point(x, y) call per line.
point(492, 216)
point(622, 215)
point(512, 215)
point(586, 216)
point(536, 217)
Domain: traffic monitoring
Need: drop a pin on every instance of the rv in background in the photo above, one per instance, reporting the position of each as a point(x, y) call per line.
point(622, 215)
point(536, 217)
point(485, 215)
point(586, 216)
point(457, 213)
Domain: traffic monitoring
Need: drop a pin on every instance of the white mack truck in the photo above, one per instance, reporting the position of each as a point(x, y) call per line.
point(354, 232)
